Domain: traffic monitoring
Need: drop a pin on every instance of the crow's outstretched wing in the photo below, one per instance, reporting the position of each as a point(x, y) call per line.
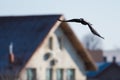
point(71, 20)
point(94, 31)
point(84, 23)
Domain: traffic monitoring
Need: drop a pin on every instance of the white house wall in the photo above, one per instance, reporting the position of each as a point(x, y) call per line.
point(67, 59)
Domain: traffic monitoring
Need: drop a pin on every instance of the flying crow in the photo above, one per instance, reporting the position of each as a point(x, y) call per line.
point(82, 21)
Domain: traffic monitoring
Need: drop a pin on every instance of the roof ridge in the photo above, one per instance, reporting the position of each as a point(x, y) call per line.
point(31, 15)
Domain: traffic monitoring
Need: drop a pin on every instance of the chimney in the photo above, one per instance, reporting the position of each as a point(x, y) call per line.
point(114, 59)
point(104, 58)
point(11, 54)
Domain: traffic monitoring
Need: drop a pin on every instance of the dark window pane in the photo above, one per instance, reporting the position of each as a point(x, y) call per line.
point(50, 43)
point(47, 56)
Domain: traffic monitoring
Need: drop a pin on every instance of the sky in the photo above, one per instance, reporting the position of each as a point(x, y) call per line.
point(103, 14)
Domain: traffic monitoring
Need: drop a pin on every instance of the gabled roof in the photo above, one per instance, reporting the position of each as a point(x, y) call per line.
point(27, 33)
point(102, 67)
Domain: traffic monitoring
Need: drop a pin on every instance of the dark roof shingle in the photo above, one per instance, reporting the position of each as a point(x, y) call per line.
point(101, 66)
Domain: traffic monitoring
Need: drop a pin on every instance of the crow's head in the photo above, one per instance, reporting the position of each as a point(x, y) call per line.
point(81, 19)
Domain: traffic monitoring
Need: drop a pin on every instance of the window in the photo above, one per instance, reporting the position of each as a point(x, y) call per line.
point(50, 43)
point(31, 74)
point(47, 56)
point(60, 40)
point(49, 74)
point(71, 74)
point(59, 74)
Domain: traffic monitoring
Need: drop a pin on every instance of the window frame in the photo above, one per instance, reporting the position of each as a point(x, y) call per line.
point(34, 73)
point(50, 76)
point(60, 41)
point(69, 77)
point(62, 75)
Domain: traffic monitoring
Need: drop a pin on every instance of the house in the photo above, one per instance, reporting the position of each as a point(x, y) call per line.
point(106, 71)
point(41, 48)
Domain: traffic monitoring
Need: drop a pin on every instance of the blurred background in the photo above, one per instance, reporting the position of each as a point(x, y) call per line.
point(103, 14)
